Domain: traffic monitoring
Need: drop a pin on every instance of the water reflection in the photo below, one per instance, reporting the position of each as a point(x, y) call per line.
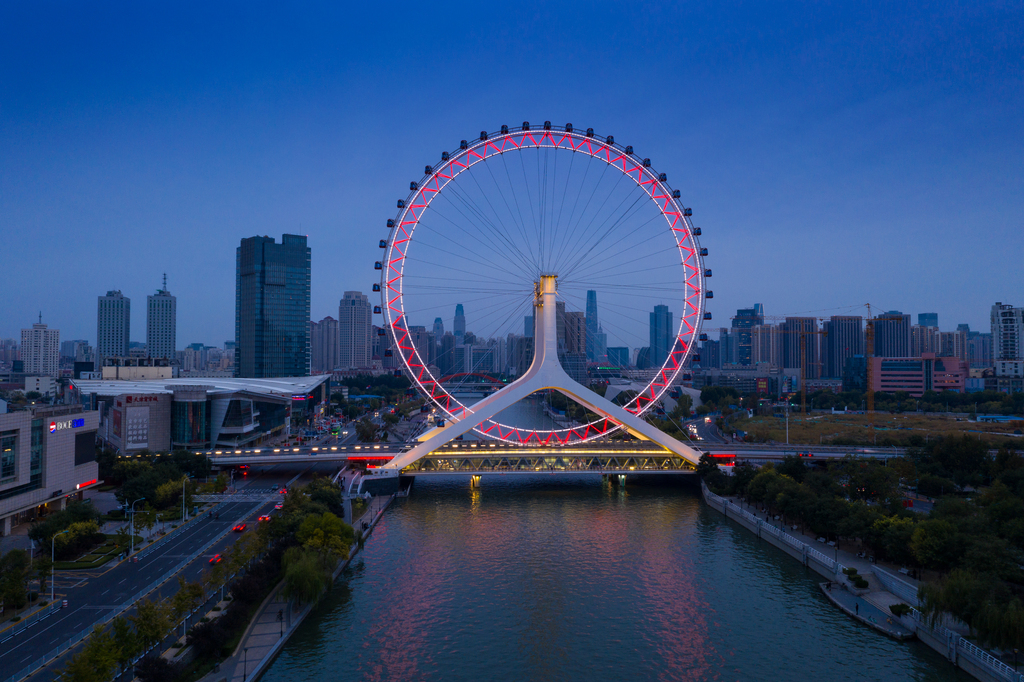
point(525, 579)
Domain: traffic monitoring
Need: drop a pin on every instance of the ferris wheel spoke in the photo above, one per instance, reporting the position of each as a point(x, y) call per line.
point(504, 233)
point(479, 258)
point(573, 230)
point(485, 221)
point(519, 210)
point(611, 253)
point(646, 256)
point(529, 255)
point(633, 208)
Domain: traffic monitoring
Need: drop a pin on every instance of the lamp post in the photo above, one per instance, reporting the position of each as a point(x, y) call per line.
point(131, 526)
point(53, 544)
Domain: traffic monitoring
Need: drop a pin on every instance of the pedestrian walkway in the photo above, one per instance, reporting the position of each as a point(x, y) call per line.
point(866, 612)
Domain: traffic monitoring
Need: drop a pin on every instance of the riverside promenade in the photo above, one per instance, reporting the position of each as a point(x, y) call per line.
point(277, 618)
point(884, 588)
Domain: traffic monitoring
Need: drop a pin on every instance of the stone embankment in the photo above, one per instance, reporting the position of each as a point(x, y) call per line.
point(871, 606)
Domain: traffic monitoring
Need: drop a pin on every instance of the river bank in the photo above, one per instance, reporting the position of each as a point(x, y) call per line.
point(884, 590)
point(277, 618)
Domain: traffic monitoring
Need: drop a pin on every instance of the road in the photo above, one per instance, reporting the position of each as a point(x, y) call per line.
point(93, 594)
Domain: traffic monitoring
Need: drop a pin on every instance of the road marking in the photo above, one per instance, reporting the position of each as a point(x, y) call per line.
point(104, 592)
point(123, 580)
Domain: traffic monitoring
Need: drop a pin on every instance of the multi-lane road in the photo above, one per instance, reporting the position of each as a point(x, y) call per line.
point(93, 594)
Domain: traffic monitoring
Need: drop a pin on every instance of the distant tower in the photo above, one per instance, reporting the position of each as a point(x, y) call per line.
point(661, 336)
point(354, 330)
point(161, 323)
point(438, 328)
point(459, 326)
point(40, 350)
point(593, 328)
point(113, 325)
point(272, 307)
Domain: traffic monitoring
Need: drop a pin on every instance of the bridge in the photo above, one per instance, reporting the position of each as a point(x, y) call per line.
point(609, 453)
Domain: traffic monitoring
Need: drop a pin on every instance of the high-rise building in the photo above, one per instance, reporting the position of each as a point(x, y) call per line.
point(446, 358)
point(459, 325)
point(1007, 332)
point(272, 307)
point(438, 328)
point(765, 345)
point(113, 325)
point(746, 318)
point(662, 336)
point(40, 350)
point(791, 329)
point(923, 340)
point(618, 356)
point(592, 325)
point(728, 346)
point(355, 326)
point(928, 320)
point(574, 360)
point(952, 345)
point(892, 335)
point(325, 345)
point(711, 354)
point(844, 338)
point(161, 323)
point(69, 349)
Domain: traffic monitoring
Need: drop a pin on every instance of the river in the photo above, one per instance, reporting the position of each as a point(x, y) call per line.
point(529, 579)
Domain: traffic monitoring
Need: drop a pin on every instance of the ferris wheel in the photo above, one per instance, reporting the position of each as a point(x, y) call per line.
point(480, 229)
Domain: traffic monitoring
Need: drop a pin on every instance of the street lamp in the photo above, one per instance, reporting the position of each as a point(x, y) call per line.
point(131, 526)
point(53, 544)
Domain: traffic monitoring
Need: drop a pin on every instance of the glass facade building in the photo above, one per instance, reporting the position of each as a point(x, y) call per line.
point(272, 284)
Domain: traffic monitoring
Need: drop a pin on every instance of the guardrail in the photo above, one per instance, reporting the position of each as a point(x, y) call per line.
point(121, 608)
point(21, 626)
point(961, 646)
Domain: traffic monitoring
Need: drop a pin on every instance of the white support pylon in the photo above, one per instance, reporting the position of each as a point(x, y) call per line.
point(545, 373)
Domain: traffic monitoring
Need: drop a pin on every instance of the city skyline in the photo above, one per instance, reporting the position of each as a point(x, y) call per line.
point(846, 159)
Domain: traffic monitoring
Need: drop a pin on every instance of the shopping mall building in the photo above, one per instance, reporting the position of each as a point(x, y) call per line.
point(161, 415)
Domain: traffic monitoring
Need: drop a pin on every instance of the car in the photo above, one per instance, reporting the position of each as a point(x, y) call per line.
point(216, 559)
point(264, 518)
point(240, 528)
point(278, 506)
point(282, 491)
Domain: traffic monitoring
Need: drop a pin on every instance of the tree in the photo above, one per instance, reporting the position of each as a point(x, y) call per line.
point(44, 569)
point(891, 538)
point(167, 494)
point(126, 641)
point(326, 535)
point(97, 660)
point(366, 431)
point(934, 544)
point(304, 576)
point(157, 669)
point(13, 571)
point(151, 621)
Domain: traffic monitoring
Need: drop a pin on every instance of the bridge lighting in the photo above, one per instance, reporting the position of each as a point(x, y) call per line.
point(277, 449)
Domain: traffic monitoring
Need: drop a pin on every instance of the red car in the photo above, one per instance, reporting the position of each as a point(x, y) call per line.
point(216, 559)
point(282, 491)
point(239, 528)
point(264, 518)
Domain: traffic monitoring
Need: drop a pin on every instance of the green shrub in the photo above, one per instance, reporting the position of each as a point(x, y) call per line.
point(850, 571)
point(859, 582)
point(899, 609)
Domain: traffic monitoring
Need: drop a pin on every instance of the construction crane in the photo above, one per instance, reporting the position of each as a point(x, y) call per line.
point(804, 333)
point(869, 351)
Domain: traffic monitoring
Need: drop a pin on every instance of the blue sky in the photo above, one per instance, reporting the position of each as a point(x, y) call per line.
point(834, 153)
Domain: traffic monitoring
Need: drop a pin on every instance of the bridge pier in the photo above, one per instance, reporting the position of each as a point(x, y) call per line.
point(474, 481)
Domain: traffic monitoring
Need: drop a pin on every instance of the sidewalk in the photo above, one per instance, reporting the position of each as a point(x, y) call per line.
point(866, 612)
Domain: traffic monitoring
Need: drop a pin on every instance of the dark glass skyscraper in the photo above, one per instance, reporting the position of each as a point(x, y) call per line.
point(745, 319)
point(459, 325)
point(272, 307)
point(662, 336)
point(591, 325)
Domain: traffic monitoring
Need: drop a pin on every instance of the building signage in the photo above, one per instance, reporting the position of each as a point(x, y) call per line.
point(141, 399)
point(82, 485)
point(66, 424)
